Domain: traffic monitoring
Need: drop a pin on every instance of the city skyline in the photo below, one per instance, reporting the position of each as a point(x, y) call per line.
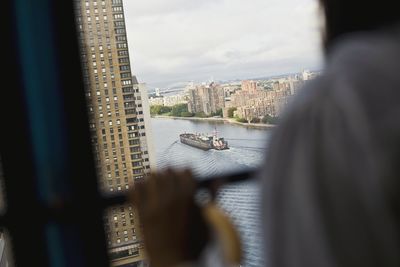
point(188, 41)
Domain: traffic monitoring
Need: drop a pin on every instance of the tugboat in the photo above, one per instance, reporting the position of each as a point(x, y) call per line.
point(204, 142)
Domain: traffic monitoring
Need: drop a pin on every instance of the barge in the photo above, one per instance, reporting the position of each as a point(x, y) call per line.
point(204, 142)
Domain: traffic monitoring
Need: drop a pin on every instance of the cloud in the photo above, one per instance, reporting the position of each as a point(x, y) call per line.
point(151, 8)
point(180, 40)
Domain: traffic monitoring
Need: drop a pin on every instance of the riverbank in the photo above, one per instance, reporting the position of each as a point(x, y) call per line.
point(227, 120)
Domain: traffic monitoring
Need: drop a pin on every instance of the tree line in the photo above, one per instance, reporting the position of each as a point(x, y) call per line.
point(181, 110)
point(267, 119)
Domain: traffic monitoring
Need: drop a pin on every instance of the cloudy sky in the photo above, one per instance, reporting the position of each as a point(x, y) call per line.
point(196, 40)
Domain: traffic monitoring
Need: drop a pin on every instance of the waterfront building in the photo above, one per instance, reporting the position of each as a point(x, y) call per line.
point(249, 86)
point(206, 98)
point(168, 100)
point(159, 101)
point(229, 90)
point(117, 118)
point(240, 98)
point(173, 100)
point(260, 103)
point(271, 100)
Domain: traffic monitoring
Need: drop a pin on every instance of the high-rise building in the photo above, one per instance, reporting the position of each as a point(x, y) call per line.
point(206, 98)
point(249, 86)
point(117, 117)
point(147, 144)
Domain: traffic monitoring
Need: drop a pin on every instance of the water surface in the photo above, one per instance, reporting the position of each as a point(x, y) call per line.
point(247, 149)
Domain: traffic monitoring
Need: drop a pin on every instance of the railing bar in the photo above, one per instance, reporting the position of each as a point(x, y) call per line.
point(210, 183)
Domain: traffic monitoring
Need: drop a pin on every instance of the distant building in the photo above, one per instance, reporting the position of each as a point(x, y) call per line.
point(168, 101)
point(153, 101)
point(145, 130)
point(173, 100)
point(230, 89)
point(249, 86)
point(264, 103)
point(240, 98)
point(259, 103)
point(270, 99)
point(190, 85)
point(206, 98)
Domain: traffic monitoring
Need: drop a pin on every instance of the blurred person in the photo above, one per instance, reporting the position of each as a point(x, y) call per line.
point(331, 181)
point(331, 176)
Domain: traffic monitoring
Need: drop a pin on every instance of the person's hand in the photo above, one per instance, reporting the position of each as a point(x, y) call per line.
point(174, 229)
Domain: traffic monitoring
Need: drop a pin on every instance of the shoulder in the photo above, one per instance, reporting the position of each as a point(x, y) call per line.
point(365, 56)
point(308, 102)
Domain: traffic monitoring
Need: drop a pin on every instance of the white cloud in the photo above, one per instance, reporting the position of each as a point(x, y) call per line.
point(180, 40)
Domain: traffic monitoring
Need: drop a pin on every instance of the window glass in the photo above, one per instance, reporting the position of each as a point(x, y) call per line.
point(222, 69)
point(199, 84)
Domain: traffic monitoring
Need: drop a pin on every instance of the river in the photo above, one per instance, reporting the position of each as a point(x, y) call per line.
point(247, 148)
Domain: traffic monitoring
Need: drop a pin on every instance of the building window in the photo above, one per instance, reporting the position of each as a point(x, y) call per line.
point(123, 60)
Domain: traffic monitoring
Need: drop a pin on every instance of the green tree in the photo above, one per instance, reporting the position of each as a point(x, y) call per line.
point(178, 109)
point(255, 120)
point(164, 110)
point(201, 114)
point(187, 114)
point(231, 111)
point(243, 120)
point(155, 109)
point(269, 119)
point(159, 109)
point(217, 113)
